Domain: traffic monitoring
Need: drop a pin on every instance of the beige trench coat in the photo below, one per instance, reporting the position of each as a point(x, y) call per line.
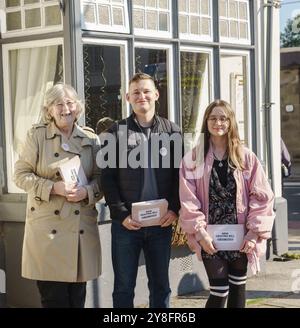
point(61, 241)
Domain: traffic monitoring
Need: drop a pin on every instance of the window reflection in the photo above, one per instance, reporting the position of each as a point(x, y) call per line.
point(154, 63)
point(104, 95)
point(234, 89)
point(195, 91)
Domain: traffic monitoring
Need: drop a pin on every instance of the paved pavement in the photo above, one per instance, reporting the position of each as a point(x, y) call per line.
point(277, 287)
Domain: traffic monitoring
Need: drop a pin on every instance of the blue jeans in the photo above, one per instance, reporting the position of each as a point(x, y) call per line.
point(126, 248)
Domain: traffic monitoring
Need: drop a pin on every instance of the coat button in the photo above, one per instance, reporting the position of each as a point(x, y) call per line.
point(97, 194)
point(81, 232)
point(56, 154)
point(32, 209)
point(53, 232)
point(37, 198)
point(76, 212)
point(56, 212)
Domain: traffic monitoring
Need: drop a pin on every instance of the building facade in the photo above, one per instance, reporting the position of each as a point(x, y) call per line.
point(197, 51)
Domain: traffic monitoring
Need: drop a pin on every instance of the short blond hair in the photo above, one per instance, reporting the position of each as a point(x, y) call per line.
point(55, 94)
point(141, 76)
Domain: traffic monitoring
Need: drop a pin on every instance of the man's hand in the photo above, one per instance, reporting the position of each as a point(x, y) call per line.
point(130, 224)
point(168, 219)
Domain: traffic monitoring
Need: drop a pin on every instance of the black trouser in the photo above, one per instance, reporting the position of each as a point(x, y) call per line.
point(227, 278)
point(56, 294)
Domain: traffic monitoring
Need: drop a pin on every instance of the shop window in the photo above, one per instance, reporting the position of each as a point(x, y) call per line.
point(195, 19)
point(195, 88)
point(104, 83)
point(105, 15)
point(22, 17)
point(29, 70)
point(155, 63)
point(235, 89)
point(152, 16)
point(234, 21)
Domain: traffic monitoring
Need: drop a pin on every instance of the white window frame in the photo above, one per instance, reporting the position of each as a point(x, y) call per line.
point(246, 54)
point(239, 40)
point(124, 46)
point(30, 30)
point(202, 37)
point(103, 27)
point(11, 155)
point(170, 66)
point(158, 33)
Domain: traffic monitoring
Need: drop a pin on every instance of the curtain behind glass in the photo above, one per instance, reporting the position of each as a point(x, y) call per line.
point(194, 89)
point(32, 72)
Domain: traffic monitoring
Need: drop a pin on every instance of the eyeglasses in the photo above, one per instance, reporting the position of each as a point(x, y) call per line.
point(69, 104)
point(221, 119)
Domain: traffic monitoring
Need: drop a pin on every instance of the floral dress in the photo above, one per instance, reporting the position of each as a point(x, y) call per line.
point(222, 204)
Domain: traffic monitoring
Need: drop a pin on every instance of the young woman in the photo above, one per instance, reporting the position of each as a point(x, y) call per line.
point(228, 187)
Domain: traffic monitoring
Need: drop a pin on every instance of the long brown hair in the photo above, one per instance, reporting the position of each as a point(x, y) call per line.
point(235, 158)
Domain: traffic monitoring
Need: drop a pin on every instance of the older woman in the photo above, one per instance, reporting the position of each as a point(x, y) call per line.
point(61, 248)
point(230, 189)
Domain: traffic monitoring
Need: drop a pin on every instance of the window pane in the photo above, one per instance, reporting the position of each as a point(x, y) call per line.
point(152, 20)
point(244, 30)
point(205, 26)
point(233, 9)
point(13, 21)
point(118, 16)
point(139, 2)
point(163, 22)
point(234, 30)
point(234, 88)
point(195, 25)
point(156, 16)
point(195, 91)
point(182, 5)
point(33, 18)
point(223, 28)
point(205, 7)
point(104, 15)
point(163, 4)
point(183, 24)
point(103, 87)
point(154, 63)
point(89, 13)
point(234, 21)
point(52, 16)
point(12, 3)
point(243, 11)
point(194, 6)
point(110, 15)
point(37, 69)
point(197, 13)
point(151, 3)
point(27, 2)
point(139, 18)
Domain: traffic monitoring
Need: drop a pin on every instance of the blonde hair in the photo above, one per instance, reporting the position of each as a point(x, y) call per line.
point(235, 156)
point(55, 94)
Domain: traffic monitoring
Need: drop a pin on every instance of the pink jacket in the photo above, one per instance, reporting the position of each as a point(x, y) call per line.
point(254, 202)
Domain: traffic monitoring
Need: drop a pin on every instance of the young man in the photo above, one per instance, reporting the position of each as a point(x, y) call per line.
point(127, 184)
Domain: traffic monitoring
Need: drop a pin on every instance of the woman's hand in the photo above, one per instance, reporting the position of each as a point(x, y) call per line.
point(59, 188)
point(207, 244)
point(247, 246)
point(76, 194)
point(130, 224)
